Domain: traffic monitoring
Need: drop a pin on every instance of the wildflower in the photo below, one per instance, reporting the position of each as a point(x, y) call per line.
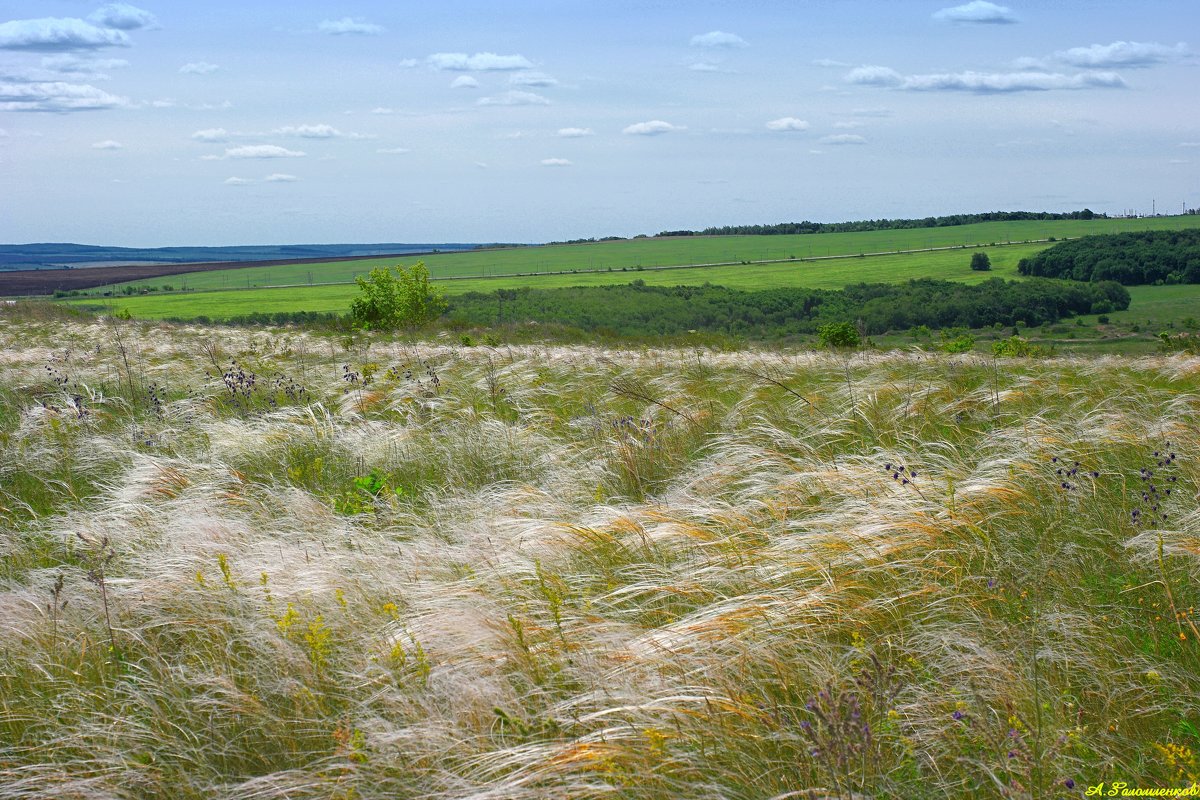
point(1070, 784)
point(958, 715)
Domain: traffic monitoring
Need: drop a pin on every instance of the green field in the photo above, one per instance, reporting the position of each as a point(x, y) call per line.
point(671, 251)
point(833, 274)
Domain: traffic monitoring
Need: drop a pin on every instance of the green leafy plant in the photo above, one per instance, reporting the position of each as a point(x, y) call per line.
point(397, 298)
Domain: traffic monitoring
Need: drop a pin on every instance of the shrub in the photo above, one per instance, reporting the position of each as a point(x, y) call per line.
point(401, 299)
point(838, 334)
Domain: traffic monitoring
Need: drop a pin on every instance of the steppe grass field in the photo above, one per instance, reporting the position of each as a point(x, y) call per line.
point(262, 564)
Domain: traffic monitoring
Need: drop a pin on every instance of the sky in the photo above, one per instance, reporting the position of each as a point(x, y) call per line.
point(223, 123)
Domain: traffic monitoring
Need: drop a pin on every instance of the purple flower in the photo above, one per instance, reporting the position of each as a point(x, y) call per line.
point(958, 715)
point(1070, 784)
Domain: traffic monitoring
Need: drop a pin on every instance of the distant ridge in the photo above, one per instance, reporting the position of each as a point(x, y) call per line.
point(54, 255)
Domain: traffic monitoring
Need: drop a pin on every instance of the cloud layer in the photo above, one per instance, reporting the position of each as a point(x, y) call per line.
point(349, 26)
point(653, 127)
point(787, 124)
point(978, 12)
point(480, 62)
point(982, 82)
point(50, 35)
point(56, 96)
point(719, 40)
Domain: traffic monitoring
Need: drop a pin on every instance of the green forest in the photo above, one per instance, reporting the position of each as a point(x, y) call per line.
point(1132, 259)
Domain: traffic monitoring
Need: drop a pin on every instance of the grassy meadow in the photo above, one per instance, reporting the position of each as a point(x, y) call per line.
point(253, 563)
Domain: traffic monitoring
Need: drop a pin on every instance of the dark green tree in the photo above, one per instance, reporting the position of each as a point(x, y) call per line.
point(980, 261)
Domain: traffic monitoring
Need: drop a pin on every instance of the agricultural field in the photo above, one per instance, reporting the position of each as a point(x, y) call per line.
point(833, 274)
point(671, 251)
point(250, 563)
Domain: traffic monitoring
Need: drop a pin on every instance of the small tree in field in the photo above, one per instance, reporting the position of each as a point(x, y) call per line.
point(839, 335)
point(980, 261)
point(401, 299)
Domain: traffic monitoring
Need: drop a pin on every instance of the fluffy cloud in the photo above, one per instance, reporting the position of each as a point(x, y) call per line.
point(718, 40)
point(123, 16)
point(705, 66)
point(107, 144)
point(280, 177)
point(52, 34)
point(237, 181)
point(871, 75)
point(464, 82)
point(843, 138)
point(317, 132)
point(393, 151)
point(211, 135)
point(654, 127)
point(575, 133)
point(830, 62)
point(349, 26)
point(262, 151)
point(198, 68)
point(56, 96)
point(515, 99)
point(983, 82)
point(532, 79)
point(787, 124)
point(1121, 54)
point(977, 12)
point(556, 162)
point(480, 62)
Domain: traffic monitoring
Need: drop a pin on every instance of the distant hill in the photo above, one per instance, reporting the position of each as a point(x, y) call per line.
point(66, 255)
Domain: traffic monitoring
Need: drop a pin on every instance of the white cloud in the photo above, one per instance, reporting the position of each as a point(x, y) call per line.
point(830, 62)
point(705, 66)
point(262, 151)
point(56, 96)
point(983, 82)
point(556, 162)
point(575, 133)
point(480, 62)
point(74, 65)
point(719, 40)
point(1122, 54)
point(107, 144)
point(317, 132)
point(198, 68)
point(539, 79)
point(787, 124)
point(977, 12)
point(349, 26)
point(843, 138)
point(515, 98)
point(237, 181)
point(383, 110)
point(393, 151)
point(52, 34)
point(872, 75)
point(464, 82)
point(652, 128)
point(280, 177)
point(123, 17)
point(211, 135)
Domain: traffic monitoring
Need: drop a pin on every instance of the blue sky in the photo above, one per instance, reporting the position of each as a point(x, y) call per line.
point(251, 123)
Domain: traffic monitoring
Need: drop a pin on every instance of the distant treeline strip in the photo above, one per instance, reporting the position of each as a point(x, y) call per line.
point(1132, 259)
point(638, 310)
point(794, 228)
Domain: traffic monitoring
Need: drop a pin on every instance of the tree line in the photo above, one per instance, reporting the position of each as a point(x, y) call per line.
point(793, 228)
point(1132, 259)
